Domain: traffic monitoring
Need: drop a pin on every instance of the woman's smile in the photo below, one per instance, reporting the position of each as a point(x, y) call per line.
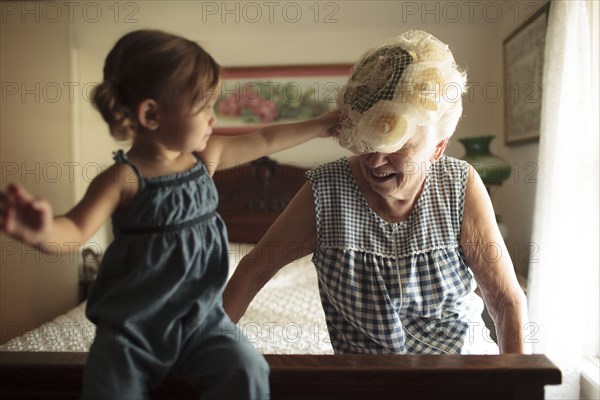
point(381, 176)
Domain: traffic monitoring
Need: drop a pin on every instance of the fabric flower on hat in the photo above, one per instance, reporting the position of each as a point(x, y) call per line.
point(423, 86)
point(384, 129)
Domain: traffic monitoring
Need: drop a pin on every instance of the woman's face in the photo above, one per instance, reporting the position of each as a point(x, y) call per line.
point(399, 175)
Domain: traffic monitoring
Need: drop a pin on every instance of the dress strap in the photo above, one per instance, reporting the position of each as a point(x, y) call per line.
point(120, 157)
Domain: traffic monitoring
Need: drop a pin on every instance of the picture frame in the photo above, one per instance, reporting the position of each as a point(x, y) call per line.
point(252, 97)
point(523, 55)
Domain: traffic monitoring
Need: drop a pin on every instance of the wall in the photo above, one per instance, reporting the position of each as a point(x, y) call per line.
point(36, 141)
point(514, 200)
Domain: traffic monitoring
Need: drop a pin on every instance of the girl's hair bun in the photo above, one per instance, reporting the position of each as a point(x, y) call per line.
point(119, 117)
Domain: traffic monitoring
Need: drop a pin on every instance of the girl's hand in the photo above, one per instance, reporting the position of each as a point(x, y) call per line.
point(24, 217)
point(330, 123)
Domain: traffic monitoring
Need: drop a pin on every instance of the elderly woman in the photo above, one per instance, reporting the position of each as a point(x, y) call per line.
point(400, 232)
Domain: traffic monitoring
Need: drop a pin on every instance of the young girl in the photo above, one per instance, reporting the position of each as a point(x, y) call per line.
point(157, 299)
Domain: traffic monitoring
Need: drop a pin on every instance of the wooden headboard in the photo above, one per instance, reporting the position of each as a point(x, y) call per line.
point(251, 196)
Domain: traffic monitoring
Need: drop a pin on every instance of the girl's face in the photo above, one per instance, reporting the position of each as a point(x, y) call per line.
point(399, 175)
point(192, 129)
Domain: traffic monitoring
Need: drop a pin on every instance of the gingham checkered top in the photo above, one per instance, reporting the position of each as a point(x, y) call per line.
point(394, 287)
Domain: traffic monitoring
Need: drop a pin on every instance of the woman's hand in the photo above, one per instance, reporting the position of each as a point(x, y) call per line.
point(23, 216)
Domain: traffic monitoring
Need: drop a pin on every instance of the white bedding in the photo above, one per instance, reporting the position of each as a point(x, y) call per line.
point(285, 317)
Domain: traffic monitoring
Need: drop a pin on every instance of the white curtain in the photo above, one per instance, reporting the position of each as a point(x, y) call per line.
point(563, 284)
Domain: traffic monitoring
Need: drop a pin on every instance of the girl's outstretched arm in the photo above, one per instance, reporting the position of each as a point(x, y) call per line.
point(228, 151)
point(31, 220)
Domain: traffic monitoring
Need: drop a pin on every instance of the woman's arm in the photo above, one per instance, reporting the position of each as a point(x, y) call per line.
point(228, 151)
point(31, 221)
point(487, 256)
point(292, 235)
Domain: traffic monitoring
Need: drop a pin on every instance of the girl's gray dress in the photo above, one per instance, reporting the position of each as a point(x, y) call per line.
point(157, 298)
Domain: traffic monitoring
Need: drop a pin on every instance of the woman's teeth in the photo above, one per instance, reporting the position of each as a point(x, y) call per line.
point(381, 174)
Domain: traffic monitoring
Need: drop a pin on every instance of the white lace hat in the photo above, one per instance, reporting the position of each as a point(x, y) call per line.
point(407, 81)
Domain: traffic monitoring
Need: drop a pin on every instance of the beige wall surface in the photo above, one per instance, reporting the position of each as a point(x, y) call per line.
point(63, 44)
point(36, 151)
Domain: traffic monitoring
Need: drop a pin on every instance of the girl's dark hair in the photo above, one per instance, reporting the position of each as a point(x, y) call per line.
point(151, 64)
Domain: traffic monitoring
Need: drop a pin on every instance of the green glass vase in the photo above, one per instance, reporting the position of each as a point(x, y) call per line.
point(492, 169)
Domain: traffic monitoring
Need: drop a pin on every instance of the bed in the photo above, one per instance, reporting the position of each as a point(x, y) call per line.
point(285, 322)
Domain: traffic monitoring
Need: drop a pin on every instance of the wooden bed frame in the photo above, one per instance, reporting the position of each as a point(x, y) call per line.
point(35, 375)
point(252, 196)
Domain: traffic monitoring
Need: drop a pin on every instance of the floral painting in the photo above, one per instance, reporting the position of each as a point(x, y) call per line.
point(251, 97)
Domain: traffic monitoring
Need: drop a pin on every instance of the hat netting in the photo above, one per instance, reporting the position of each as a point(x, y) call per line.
point(408, 81)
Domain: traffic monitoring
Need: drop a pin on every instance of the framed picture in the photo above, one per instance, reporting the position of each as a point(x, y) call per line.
point(252, 97)
point(523, 70)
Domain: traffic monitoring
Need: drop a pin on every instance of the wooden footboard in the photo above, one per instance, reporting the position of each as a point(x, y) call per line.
point(29, 375)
